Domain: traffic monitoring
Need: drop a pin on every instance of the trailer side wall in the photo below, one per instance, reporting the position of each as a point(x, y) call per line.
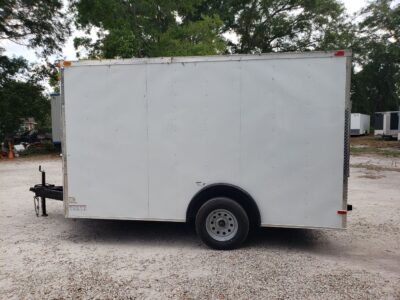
point(143, 138)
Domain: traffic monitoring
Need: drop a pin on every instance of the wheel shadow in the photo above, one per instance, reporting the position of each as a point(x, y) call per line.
point(171, 234)
point(288, 238)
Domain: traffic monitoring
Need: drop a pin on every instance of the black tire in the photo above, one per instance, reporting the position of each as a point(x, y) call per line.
point(231, 215)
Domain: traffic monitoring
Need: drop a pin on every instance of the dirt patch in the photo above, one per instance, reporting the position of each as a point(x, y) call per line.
point(376, 168)
point(374, 145)
point(371, 176)
point(375, 142)
point(32, 157)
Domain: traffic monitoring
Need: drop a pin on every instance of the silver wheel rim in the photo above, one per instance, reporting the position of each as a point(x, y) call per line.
point(221, 225)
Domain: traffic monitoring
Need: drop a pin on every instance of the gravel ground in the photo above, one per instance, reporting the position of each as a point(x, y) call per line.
point(60, 258)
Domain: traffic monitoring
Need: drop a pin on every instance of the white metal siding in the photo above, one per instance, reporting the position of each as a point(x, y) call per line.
point(143, 138)
point(194, 132)
point(365, 123)
point(292, 139)
point(56, 126)
point(355, 121)
point(360, 123)
point(106, 136)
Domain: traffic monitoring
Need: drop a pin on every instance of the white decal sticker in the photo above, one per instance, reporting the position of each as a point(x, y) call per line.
point(77, 207)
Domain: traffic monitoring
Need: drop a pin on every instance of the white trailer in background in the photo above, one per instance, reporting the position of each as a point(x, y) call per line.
point(359, 124)
point(56, 123)
point(387, 124)
point(209, 140)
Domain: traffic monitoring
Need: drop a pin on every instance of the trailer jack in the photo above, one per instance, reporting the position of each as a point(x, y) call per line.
point(45, 191)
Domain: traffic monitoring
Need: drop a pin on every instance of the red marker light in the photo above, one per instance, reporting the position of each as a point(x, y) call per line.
point(342, 212)
point(340, 53)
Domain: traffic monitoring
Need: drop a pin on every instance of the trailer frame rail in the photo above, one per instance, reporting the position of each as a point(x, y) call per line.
point(45, 191)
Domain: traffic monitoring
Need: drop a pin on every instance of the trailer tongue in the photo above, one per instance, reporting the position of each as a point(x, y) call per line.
point(45, 191)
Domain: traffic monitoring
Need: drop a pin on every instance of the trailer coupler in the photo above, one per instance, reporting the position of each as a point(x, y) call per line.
point(45, 191)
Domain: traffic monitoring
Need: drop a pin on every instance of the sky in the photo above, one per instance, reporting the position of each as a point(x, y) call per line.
point(12, 49)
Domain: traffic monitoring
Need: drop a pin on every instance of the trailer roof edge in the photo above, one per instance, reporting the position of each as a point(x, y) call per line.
point(212, 58)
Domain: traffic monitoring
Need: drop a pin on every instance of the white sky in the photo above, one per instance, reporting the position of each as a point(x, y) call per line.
point(13, 49)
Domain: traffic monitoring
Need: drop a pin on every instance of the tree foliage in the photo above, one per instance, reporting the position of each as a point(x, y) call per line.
point(44, 26)
point(19, 99)
point(146, 28)
point(34, 23)
point(376, 87)
point(264, 26)
point(157, 28)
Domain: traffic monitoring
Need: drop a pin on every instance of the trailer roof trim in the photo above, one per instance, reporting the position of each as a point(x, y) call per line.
point(213, 58)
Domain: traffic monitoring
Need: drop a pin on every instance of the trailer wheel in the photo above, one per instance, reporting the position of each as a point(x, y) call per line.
point(222, 223)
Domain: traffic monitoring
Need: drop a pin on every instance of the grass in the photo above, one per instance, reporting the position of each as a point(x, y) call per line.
point(372, 150)
point(374, 145)
point(372, 167)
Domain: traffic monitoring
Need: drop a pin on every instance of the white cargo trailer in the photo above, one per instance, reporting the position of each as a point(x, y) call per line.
point(359, 124)
point(387, 124)
point(56, 123)
point(209, 140)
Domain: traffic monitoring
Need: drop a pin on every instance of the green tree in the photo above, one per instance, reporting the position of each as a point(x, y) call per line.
point(146, 28)
point(19, 99)
point(34, 23)
point(194, 38)
point(263, 26)
point(44, 26)
point(376, 87)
